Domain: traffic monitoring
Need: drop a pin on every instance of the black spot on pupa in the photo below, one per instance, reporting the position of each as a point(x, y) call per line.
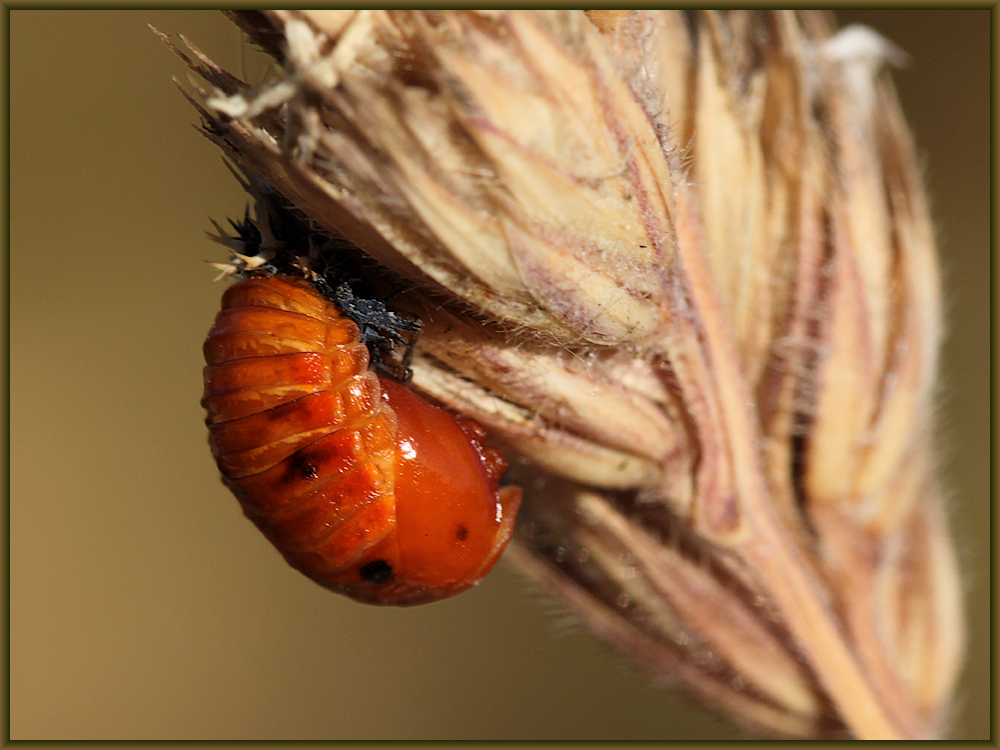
point(377, 571)
point(300, 467)
point(462, 533)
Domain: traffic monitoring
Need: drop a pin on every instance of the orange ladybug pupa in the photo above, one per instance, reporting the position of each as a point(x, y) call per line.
point(362, 485)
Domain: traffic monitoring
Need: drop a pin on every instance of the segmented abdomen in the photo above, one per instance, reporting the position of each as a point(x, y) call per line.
point(299, 428)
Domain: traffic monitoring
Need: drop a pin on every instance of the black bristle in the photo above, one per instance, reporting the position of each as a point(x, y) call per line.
point(248, 233)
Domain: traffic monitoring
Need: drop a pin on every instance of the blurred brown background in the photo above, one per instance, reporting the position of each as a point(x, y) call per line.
point(142, 605)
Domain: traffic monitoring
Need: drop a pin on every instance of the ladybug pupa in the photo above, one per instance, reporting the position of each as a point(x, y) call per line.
point(362, 485)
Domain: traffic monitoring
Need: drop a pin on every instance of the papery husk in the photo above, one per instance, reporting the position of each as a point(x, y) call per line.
point(680, 264)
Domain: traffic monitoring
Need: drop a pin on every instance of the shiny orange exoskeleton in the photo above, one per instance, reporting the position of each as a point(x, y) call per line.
point(362, 485)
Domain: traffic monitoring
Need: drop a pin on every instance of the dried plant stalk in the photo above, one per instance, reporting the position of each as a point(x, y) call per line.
point(680, 263)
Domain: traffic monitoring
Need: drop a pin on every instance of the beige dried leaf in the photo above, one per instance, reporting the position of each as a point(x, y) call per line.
point(680, 264)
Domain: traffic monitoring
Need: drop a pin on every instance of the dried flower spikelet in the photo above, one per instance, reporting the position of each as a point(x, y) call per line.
point(667, 605)
point(603, 420)
point(480, 148)
point(824, 263)
point(680, 263)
